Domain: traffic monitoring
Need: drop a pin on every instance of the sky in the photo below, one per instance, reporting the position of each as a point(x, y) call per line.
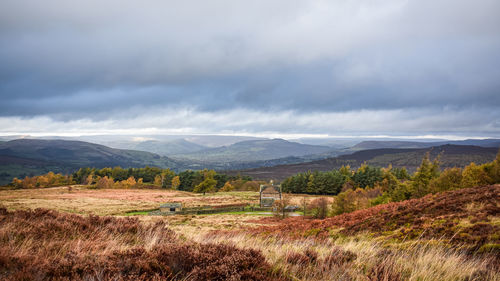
point(417, 68)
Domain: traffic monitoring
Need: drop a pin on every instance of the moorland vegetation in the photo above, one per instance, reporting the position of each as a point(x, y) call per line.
point(370, 186)
point(381, 224)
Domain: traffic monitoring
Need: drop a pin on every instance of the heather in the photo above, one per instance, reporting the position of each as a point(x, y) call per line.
point(48, 245)
point(468, 215)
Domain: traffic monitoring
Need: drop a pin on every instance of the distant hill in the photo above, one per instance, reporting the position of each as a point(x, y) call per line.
point(217, 141)
point(413, 144)
point(451, 156)
point(254, 150)
point(22, 157)
point(166, 148)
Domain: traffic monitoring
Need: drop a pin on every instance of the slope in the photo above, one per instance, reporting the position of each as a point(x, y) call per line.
point(413, 144)
point(166, 148)
point(466, 216)
point(31, 156)
point(450, 156)
point(255, 150)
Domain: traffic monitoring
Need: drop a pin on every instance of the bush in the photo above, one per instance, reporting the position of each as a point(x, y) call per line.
point(319, 208)
point(279, 206)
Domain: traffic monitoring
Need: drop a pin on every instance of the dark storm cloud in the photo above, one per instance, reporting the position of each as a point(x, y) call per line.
point(105, 60)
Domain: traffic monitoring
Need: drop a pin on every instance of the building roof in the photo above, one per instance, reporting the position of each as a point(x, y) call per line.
point(171, 205)
point(270, 189)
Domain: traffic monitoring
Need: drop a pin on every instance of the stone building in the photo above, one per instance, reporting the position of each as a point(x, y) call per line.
point(269, 194)
point(170, 208)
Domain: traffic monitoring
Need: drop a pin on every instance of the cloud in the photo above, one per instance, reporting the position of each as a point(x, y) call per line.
point(286, 124)
point(114, 60)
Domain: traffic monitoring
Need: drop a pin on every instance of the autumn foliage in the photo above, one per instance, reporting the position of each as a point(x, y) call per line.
point(461, 216)
point(48, 180)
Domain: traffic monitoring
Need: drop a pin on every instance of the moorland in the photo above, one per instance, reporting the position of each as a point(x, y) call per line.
point(380, 224)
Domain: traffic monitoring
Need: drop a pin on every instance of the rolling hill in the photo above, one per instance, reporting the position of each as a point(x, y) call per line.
point(167, 148)
point(364, 145)
point(451, 156)
point(22, 157)
point(255, 150)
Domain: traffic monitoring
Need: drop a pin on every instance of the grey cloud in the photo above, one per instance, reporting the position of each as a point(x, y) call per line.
point(411, 122)
point(102, 60)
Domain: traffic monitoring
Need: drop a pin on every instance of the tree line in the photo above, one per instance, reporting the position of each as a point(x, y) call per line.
point(332, 182)
point(370, 186)
point(194, 181)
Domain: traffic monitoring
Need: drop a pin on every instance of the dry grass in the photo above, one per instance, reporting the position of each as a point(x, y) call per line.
point(82, 200)
point(113, 201)
point(48, 245)
point(346, 257)
point(359, 258)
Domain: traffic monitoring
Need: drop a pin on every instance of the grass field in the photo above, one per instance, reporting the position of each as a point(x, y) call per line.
point(82, 200)
point(453, 236)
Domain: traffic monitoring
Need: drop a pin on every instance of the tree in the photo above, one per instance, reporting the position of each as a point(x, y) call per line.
point(389, 181)
point(207, 185)
point(449, 179)
point(158, 180)
point(166, 178)
point(402, 192)
point(344, 203)
point(367, 176)
point(304, 206)
point(89, 180)
point(176, 182)
point(401, 173)
point(494, 171)
point(474, 175)
point(279, 206)
point(311, 185)
point(128, 183)
point(319, 208)
point(186, 179)
point(425, 173)
point(29, 182)
point(227, 187)
point(105, 182)
point(16, 183)
point(346, 171)
point(42, 181)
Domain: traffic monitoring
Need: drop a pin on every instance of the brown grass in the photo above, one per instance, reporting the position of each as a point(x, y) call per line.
point(437, 216)
point(47, 245)
point(82, 200)
point(113, 201)
point(360, 258)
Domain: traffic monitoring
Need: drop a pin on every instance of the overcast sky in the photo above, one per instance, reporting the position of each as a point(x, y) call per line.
point(267, 68)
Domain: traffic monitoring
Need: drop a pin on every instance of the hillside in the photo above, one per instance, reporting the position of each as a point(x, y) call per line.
point(255, 150)
point(460, 216)
point(167, 148)
point(364, 145)
point(32, 156)
point(451, 156)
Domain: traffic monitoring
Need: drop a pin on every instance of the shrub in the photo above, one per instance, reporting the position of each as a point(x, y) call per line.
point(319, 208)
